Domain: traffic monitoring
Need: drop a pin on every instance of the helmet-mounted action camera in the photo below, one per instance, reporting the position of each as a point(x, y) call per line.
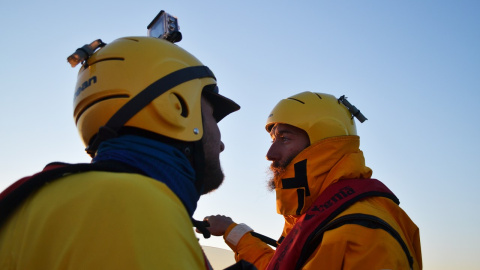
point(165, 26)
point(147, 84)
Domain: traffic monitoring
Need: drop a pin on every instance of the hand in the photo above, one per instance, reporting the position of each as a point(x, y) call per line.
point(218, 224)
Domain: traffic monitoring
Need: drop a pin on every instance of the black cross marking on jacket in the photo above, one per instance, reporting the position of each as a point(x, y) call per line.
point(299, 182)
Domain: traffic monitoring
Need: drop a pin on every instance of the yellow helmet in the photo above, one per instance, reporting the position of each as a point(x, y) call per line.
point(320, 115)
point(145, 83)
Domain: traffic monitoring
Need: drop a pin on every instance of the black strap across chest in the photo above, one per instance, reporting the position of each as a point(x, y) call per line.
point(11, 198)
point(367, 221)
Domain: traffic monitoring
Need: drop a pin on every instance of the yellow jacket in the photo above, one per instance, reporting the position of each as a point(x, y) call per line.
point(100, 220)
point(348, 246)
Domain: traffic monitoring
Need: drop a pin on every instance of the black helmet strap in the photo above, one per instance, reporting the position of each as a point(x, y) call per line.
point(142, 99)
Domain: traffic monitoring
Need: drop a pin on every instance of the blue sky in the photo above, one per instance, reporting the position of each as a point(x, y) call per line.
point(412, 67)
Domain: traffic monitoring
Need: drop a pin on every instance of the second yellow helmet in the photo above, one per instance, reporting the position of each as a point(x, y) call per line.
point(319, 115)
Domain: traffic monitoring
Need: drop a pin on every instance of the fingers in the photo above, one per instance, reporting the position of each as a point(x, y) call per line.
point(218, 224)
point(216, 218)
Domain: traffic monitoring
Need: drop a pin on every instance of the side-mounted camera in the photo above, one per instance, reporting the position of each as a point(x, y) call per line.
point(165, 26)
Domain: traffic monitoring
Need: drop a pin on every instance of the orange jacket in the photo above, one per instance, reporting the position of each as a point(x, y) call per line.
point(348, 246)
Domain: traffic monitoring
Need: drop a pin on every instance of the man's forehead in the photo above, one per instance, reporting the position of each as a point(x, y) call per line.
point(280, 128)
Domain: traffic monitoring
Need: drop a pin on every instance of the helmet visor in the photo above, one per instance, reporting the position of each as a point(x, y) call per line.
point(222, 106)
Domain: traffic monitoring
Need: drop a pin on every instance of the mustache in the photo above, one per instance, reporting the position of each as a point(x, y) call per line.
point(277, 167)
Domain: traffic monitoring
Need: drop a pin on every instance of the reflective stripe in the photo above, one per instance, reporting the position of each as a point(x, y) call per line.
point(237, 233)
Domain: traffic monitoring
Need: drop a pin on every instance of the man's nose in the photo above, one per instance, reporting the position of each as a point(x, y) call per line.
point(222, 146)
point(272, 153)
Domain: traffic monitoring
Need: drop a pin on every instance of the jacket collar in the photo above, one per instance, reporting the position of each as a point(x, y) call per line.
point(157, 160)
point(314, 169)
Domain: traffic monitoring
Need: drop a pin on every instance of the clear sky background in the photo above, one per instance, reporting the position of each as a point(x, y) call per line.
point(412, 68)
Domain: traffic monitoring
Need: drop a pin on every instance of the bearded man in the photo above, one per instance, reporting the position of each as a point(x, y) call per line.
point(336, 216)
point(147, 110)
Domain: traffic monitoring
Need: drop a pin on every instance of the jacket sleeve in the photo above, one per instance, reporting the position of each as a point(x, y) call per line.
point(248, 247)
point(357, 247)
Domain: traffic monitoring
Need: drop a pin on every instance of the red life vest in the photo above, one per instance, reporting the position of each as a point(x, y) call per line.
point(307, 233)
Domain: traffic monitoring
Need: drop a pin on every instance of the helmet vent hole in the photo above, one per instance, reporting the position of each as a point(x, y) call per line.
point(183, 104)
point(108, 59)
point(318, 96)
point(297, 100)
point(98, 101)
